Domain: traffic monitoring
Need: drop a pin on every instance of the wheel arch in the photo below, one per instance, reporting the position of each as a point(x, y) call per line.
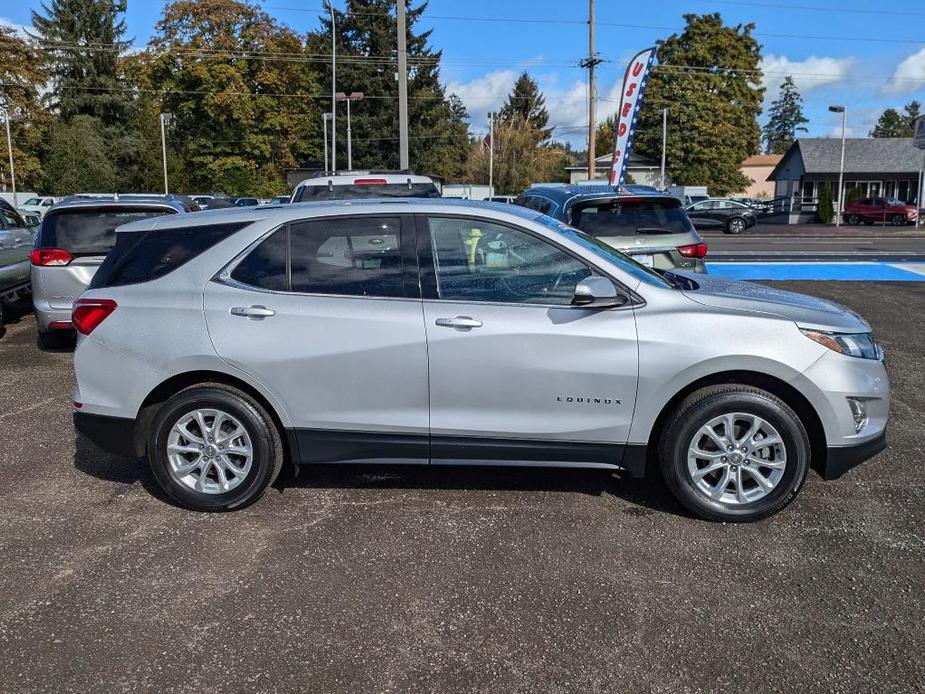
point(171, 386)
point(786, 392)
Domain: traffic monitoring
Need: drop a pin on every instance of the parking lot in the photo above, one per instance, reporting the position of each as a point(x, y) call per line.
point(394, 579)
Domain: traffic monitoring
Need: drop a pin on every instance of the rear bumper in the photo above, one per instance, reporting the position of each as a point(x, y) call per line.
point(113, 434)
point(840, 459)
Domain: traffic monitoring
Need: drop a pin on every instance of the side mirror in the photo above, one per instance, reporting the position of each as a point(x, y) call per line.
point(598, 292)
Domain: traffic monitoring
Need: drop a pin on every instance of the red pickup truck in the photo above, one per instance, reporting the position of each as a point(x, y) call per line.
point(881, 211)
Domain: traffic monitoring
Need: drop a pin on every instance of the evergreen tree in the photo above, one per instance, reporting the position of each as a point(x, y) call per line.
point(83, 40)
point(78, 158)
point(706, 77)
point(366, 62)
point(892, 123)
point(786, 119)
point(825, 211)
point(603, 138)
point(527, 101)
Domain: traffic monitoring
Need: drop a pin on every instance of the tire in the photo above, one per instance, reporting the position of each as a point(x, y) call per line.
point(261, 437)
point(853, 219)
point(898, 220)
point(791, 455)
point(736, 225)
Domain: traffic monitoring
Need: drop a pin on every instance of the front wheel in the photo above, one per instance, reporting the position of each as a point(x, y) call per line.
point(214, 448)
point(853, 219)
point(899, 220)
point(736, 225)
point(734, 453)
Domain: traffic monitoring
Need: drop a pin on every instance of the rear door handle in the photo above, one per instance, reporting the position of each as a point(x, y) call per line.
point(253, 311)
point(459, 322)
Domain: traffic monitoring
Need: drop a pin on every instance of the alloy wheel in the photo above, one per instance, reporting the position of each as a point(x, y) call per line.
point(209, 451)
point(736, 458)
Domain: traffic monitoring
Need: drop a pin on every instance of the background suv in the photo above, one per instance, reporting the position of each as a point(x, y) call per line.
point(15, 243)
point(74, 238)
point(643, 223)
point(881, 211)
point(429, 331)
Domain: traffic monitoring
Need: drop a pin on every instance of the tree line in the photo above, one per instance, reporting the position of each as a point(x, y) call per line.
point(243, 97)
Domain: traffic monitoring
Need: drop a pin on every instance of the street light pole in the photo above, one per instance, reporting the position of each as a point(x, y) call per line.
point(841, 169)
point(491, 154)
point(664, 141)
point(164, 151)
point(402, 88)
point(9, 149)
point(352, 96)
point(333, 89)
point(325, 117)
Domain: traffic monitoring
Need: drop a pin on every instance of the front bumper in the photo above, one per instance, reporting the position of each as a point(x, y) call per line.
point(840, 459)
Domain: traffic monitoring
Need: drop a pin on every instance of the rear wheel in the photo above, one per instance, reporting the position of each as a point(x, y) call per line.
point(734, 453)
point(736, 225)
point(214, 448)
point(853, 219)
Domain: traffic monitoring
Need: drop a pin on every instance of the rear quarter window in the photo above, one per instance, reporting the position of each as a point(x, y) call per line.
point(142, 256)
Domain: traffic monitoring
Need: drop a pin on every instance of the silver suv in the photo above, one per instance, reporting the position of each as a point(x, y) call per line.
point(221, 345)
point(72, 241)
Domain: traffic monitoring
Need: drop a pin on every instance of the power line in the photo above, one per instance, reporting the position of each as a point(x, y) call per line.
point(813, 8)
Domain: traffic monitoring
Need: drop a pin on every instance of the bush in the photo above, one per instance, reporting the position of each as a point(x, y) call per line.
point(825, 213)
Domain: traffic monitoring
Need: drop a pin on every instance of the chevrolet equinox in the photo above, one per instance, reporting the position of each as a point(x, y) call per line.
point(221, 345)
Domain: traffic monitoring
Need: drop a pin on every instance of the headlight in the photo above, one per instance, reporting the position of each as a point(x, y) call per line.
point(858, 345)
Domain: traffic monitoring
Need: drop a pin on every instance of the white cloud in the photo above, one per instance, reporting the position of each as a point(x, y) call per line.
point(807, 74)
point(909, 75)
point(20, 29)
point(484, 94)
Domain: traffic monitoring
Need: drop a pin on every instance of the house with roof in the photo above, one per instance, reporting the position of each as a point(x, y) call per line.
point(757, 169)
point(887, 167)
point(641, 170)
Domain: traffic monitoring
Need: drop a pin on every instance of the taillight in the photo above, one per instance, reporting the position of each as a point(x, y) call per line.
point(695, 250)
point(46, 257)
point(89, 313)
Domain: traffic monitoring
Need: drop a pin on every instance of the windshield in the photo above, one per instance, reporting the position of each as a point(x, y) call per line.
point(630, 216)
point(894, 201)
point(381, 190)
point(33, 201)
point(90, 231)
point(605, 252)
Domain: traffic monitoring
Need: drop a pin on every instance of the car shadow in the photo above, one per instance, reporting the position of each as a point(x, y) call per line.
point(644, 496)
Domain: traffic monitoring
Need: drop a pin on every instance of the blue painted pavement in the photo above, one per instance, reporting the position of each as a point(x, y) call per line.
point(858, 272)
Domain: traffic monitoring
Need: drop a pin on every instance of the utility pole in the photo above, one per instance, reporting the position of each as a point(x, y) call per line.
point(325, 117)
point(9, 149)
point(664, 142)
point(841, 169)
point(164, 151)
point(491, 154)
point(590, 62)
point(333, 89)
point(402, 88)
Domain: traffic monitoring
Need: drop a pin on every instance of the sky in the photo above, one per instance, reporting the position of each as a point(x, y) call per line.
point(865, 54)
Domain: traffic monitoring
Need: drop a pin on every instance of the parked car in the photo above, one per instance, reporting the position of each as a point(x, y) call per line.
point(32, 219)
point(279, 200)
point(717, 213)
point(506, 199)
point(760, 206)
point(15, 243)
point(881, 211)
point(221, 345)
point(246, 202)
point(651, 227)
point(37, 205)
point(72, 242)
point(365, 184)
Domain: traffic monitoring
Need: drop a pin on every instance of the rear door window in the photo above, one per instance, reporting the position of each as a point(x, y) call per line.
point(627, 217)
point(142, 256)
point(91, 231)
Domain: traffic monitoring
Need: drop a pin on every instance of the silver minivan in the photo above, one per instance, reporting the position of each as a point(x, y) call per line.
point(222, 345)
point(71, 242)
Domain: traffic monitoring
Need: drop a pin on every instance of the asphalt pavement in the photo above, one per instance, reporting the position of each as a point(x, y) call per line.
point(392, 579)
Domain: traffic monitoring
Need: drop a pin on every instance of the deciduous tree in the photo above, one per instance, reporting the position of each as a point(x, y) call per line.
point(708, 79)
point(892, 123)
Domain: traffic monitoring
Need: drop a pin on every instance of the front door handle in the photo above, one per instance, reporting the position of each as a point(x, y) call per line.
point(459, 322)
point(257, 312)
